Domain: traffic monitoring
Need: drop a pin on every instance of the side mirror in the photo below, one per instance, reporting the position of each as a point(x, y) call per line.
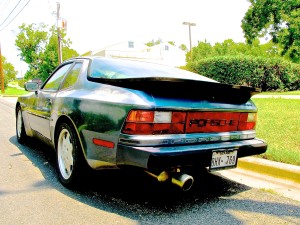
point(31, 86)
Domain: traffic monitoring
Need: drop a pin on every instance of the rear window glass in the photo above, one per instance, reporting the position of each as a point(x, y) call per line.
point(120, 69)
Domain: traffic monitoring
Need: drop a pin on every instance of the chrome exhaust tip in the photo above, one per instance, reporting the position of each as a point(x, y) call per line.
point(182, 180)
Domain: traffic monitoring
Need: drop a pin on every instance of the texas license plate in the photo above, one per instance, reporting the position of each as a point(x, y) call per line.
point(223, 159)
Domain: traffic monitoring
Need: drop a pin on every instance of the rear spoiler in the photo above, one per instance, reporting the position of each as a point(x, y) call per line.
point(185, 89)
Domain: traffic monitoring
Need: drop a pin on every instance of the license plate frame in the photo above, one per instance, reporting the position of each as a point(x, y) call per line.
point(223, 159)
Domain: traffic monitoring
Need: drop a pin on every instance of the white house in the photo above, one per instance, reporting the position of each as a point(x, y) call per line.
point(168, 54)
point(163, 53)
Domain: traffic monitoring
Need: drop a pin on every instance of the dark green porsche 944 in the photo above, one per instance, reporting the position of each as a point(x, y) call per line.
point(104, 113)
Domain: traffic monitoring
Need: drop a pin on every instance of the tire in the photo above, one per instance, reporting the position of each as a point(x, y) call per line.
point(69, 156)
point(20, 129)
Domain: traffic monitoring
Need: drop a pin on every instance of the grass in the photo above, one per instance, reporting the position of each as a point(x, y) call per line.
point(279, 125)
point(281, 93)
point(10, 91)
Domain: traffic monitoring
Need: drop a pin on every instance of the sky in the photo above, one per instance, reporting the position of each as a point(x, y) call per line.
point(95, 24)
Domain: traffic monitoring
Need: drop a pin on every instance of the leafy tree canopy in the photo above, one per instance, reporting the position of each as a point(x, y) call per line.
point(8, 71)
point(159, 41)
point(277, 18)
point(183, 47)
point(38, 46)
point(153, 42)
point(172, 43)
point(229, 47)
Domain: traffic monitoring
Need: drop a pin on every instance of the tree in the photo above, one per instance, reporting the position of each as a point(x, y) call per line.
point(172, 43)
point(202, 50)
point(8, 71)
point(31, 41)
point(38, 46)
point(183, 47)
point(230, 48)
point(278, 19)
point(152, 43)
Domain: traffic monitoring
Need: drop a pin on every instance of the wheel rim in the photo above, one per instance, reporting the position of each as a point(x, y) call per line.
point(19, 124)
point(65, 154)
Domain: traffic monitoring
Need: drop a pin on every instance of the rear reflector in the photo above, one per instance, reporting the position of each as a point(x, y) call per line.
point(146, 122)
point(103, 143)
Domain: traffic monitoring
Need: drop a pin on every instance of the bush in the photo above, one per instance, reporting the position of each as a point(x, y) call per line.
point(265, 73)
point(21, 83)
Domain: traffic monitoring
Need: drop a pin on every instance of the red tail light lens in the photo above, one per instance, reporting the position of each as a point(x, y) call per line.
point(154, 122)
point(146, 122)
point(247, 121)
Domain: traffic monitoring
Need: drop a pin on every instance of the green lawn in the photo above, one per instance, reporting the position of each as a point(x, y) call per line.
point(281, 93)
point(10, 91)
point(279, 125)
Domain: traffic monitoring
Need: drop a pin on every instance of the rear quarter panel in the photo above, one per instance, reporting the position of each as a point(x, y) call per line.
point(98, 111)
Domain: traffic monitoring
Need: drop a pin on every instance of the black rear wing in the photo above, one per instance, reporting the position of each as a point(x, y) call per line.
point(185, 89)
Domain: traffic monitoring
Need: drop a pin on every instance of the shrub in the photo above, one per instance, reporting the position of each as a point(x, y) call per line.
point(265, 73)
point(21, 82)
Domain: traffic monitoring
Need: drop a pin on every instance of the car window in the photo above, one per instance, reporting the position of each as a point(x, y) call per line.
point(54, 82)
point(119, 69)
point(72, 76)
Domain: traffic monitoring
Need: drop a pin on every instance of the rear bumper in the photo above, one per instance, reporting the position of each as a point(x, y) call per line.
point(162, 158)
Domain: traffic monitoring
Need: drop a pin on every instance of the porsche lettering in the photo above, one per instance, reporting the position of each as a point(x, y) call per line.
point(214, 122)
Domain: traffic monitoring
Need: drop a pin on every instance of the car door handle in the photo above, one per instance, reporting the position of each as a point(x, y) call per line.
point(49, 101)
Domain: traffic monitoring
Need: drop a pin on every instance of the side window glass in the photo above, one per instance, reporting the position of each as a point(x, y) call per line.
point(54, 82)
point(72, 76)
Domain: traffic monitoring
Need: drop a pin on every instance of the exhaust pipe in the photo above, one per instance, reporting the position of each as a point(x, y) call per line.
point(182, 180)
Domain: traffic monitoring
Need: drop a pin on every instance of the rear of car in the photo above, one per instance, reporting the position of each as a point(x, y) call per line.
point(193, 121)
point(112, 113)
point(159, 140)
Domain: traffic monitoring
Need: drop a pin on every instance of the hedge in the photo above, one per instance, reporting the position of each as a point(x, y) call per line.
point(268, 74)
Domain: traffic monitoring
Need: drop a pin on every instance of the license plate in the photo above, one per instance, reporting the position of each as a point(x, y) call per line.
point(223, 159)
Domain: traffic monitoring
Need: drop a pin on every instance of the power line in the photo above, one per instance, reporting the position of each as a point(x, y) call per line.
point(4, 5)
point(11, 12)
point(15, 15)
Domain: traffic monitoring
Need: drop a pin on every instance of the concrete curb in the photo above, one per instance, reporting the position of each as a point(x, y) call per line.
point(271, 168)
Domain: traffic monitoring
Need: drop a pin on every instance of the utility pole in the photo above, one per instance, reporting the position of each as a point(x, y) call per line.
point(1, 72)
point(58, 34)
point(190, 35)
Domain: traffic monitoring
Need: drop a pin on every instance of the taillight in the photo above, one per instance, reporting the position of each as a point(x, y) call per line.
point(140, 116)
point(247, 121)
point(154, 122)
point(146, 122)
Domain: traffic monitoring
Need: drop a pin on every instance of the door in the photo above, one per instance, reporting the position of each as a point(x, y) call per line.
point(39, 117)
